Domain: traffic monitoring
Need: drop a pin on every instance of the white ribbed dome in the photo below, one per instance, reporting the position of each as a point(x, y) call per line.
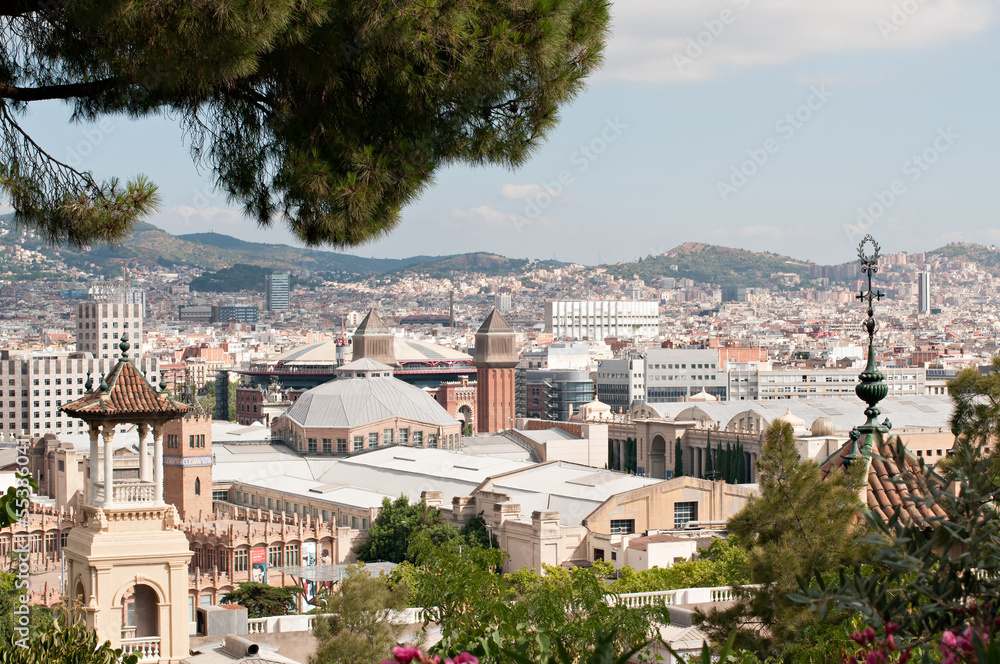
point(823, 426)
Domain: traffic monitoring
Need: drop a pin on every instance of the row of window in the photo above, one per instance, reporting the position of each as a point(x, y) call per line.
point(53, 542)
point(273, 504)
point(374, 440)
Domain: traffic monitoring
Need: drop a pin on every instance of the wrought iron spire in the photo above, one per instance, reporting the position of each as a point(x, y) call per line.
point(872, 387)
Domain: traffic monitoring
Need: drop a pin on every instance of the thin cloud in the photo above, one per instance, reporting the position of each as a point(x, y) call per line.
point(690, 40)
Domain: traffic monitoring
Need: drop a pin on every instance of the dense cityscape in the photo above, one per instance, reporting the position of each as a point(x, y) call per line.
point(508, 332)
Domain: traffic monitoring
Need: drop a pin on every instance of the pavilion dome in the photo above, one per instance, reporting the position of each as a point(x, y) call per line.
point(365, 392)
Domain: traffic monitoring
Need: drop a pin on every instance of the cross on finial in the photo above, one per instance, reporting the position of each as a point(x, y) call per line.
point(869, 266)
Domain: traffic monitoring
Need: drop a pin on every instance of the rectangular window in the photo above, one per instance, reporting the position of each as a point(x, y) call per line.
point(341, 446)
point(326, 515)
point(312, 444)
point(274, 555)
point(354, 522)
point(404, 436)
point(372, 441)
point(292, 554)
point(418, 438)
point(432, 440)
point(359, 443)
point(240, 559)
point(684, 513)
point(622, 526)
point(387, 436)
point(327, 446)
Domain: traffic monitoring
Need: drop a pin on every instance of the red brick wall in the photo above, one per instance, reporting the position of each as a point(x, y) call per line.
point(179, 480)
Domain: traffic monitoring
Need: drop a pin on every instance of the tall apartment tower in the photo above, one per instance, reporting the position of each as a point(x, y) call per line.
point(495, 358)
point(373, 340)
point(110, 311)
point(187, 465)
point(924, 293)
point(277, 287)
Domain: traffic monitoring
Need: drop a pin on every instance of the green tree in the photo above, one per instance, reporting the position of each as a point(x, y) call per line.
point(720, 463)
point(798, 526)
point(976, 417)
point(391, 531)
point(358, 625)
point(709, 466)
point(524, 612)
point(330, 116)
point(476, 533)
point(263, 601)
point(62, 639)
point(678, 459)
point(741, 462)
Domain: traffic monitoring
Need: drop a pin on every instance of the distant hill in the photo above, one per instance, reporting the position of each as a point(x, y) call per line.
point(478, 262)
point(707, 263)
point(209, 251)
point(988, 258)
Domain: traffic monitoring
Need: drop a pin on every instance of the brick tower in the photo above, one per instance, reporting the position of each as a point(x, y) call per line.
point(373, 340)
point(495, 359)
point(187, 465)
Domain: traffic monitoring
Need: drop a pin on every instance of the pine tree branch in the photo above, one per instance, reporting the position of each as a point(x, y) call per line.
point(66, 91)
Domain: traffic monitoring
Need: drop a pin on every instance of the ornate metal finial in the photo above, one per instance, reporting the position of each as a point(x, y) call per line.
point(163, 382)
point(89, 385)
point(124, 346)
point(103, 386)
point(869, 266)
point(872, 387)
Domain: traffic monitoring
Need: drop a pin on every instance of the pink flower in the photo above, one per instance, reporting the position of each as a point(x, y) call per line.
point(465, 658)
point(406, 654)
point(948, 639)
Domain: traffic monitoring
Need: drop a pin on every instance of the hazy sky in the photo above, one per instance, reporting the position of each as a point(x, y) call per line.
point(762, 124)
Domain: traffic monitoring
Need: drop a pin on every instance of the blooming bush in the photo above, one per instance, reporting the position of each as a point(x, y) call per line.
point(413, 655)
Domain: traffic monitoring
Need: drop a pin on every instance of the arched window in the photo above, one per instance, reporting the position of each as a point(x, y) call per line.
point(197, 486)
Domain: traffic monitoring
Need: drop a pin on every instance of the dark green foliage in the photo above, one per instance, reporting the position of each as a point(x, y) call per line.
point(476, 533)
point(262, 601)
point(523, 612)
point(14, 502)
point(331, 116)
point(390, 533)
point(678, 459)
point(611, 455)
point(723, 563)
point(926, 582)
point(60, 638)
point(741, 463)
point(357, 626)
point(976, 417)
point(799, 525)
point(709, 466)
point(719, 463)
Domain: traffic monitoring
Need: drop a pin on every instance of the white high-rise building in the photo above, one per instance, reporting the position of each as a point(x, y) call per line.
point(277, 286)
point(110, 311)
point(601, 319)
point(502, 302)
point(35, 385)
point(924, 293)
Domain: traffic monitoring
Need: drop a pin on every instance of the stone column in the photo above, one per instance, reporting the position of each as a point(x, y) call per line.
point(95, 466)
point(158, 462)
point(108, 432)
point(144, 474)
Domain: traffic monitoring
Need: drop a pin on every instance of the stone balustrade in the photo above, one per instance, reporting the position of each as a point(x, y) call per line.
point(147, 647)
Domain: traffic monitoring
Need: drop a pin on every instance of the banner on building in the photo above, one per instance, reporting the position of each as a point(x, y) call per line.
point(258, 564)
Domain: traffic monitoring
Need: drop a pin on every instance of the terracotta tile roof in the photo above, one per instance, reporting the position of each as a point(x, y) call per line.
point(128, 395)
point(886, 492)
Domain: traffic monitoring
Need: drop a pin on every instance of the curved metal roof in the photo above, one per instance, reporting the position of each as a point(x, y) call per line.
point(354, 402)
